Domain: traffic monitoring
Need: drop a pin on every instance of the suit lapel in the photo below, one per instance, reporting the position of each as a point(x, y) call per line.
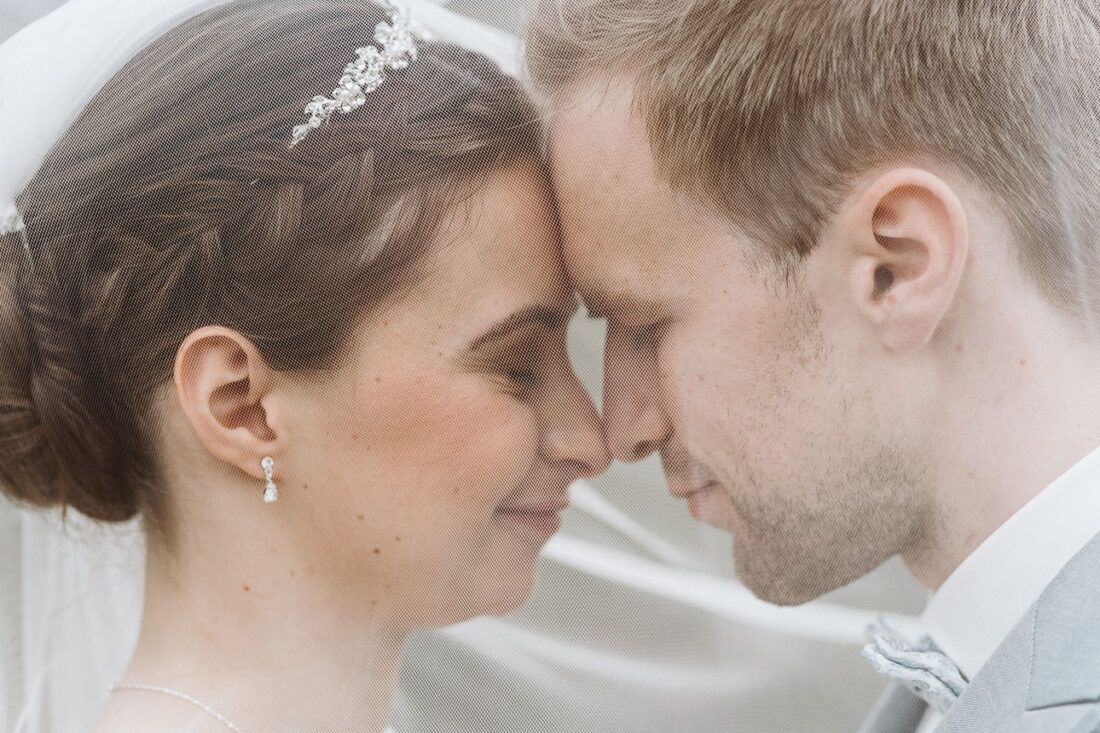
point(1047, 670)
point(1065, 662)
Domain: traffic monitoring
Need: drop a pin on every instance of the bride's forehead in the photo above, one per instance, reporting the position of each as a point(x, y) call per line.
point(507, 226)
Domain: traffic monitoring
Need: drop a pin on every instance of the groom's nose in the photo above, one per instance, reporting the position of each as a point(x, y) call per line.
point(634, 417)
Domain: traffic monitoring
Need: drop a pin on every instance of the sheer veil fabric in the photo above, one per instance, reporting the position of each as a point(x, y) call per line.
point(637, 623)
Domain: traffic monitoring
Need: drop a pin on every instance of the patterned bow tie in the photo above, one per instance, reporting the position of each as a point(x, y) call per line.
point(921, 666)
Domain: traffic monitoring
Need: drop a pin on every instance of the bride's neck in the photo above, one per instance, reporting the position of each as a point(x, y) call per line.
point(267, 643)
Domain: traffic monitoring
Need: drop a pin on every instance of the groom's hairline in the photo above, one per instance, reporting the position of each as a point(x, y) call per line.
point(737, 59)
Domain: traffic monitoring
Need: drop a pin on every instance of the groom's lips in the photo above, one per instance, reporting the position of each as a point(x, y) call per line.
point(695, 501)
point(697, 497)
point(683, 491)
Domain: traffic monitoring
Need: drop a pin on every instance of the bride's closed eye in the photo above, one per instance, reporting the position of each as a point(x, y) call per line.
point(516, 352)
point(519, 364)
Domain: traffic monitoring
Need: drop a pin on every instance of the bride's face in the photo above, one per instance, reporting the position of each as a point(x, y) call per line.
point(439, 459)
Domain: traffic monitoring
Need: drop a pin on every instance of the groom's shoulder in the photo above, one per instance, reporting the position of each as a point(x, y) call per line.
point(1066, 634)
point(1045, 676)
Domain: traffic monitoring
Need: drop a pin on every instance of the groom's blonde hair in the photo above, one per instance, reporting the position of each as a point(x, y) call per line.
point(767, 108)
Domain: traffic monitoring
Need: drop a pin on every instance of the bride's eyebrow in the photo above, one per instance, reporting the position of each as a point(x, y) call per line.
point(542, 315)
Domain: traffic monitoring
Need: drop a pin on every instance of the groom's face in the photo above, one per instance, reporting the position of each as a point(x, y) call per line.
point(764, 421)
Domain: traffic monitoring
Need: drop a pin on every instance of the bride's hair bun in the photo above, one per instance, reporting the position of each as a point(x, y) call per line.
point(46, 419)
point(173, 202)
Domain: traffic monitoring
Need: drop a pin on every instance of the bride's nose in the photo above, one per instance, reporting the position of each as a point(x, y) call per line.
point(573, 432)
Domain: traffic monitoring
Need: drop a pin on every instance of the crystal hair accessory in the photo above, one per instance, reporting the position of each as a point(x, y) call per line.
point(364, 75)
point(50, 68)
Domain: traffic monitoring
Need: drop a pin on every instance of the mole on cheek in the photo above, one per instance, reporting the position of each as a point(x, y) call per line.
point(246, 589)
point(360, 517)
point(377, 551)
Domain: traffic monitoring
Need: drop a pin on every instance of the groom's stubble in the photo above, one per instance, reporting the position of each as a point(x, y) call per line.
point(758, 376)
point(850, 494)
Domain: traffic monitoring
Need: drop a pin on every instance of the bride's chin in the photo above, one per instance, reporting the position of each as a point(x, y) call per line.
point(518, 593)
point(504, 597)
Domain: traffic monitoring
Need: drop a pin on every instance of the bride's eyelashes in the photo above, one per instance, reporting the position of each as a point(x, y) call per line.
point(518, 367)
point(520, 361)
point(523, 364)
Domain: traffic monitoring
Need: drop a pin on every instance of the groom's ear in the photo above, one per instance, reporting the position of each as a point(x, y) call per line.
point(908, 245)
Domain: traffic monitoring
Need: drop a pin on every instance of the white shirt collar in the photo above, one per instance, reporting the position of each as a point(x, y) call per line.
point(981, 601)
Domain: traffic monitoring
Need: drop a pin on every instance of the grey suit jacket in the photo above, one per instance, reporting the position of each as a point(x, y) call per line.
point(1044, 677)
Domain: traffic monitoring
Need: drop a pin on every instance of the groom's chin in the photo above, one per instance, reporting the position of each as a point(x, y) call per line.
point(790, 579)
point(784, 595)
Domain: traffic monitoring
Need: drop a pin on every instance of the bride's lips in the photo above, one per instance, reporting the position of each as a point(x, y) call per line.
point(542, 517)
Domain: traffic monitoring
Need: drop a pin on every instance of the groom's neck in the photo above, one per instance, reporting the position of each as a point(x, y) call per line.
point(1020, 406)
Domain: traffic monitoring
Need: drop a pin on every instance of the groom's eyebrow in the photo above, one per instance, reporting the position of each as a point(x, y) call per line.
point(596, 305)
point(602, 305)
point(545, 316)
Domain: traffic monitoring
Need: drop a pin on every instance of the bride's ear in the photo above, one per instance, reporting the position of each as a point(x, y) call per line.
point(223, 385)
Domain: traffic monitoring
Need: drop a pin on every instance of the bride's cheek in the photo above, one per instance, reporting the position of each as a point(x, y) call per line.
point(501, 447)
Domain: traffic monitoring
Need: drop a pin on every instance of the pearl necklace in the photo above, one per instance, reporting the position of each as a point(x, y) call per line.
point(175, 693)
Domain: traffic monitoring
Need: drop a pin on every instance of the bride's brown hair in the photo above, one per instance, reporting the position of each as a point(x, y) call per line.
point(173, 202)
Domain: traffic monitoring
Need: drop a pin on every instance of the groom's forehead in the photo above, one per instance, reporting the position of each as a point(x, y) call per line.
point(597, 135)
point(624, 230)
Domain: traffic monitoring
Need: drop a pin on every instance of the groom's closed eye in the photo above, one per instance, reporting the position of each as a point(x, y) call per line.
point(638, 321)
point(647, 336)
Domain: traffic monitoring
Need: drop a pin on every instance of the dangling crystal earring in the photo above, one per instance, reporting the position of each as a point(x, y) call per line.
point(271, 493)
